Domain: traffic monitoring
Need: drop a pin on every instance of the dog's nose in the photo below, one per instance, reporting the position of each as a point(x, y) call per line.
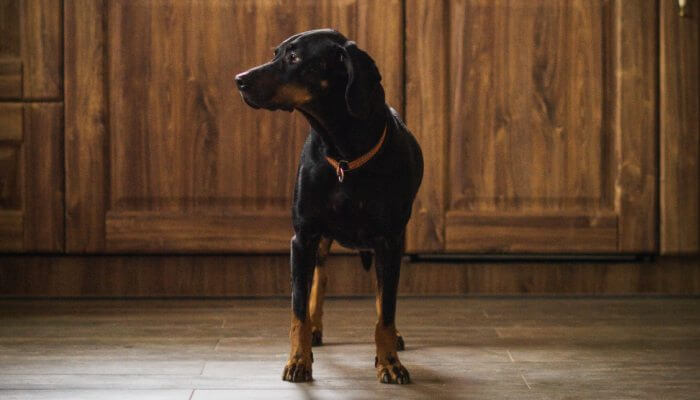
point(240, 81)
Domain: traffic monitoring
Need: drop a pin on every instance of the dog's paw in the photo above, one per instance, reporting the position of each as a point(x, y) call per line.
point(391, 371)
point(400, 344)
point(298, 369)
point(316, 338)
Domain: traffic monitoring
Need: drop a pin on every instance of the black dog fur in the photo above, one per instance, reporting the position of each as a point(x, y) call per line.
point(336, 86)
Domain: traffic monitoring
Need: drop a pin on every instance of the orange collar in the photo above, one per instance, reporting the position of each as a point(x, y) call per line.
point(341, 166)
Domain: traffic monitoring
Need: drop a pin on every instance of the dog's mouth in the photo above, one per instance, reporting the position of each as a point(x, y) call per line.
point(257, 105)
point(248, 101)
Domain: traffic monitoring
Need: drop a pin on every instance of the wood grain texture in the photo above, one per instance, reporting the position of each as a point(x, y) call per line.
point(159, 232)
point(527, 107)
point(42, 49)
point(679, 104)
point(266, 275)
point(179, 141)
point(555, 233)
point(44, 177)
point(12, 162)
point(31, 49)
point(85, 125)
point(11, 230)
point(550, 111)
point(31, 176)
point(426, 105)
point(10, 78)
point(635, 123)
point(10, 50)
point(11, 122)
point(12, 167)
point(11, 176)
point(10, 29)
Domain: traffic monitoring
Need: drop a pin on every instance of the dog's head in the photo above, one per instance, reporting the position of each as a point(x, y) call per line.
point(309, 67)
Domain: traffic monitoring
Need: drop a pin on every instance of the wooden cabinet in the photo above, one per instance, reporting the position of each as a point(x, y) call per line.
point(162, 155)
point(538, 121)
point(547, 126)
point(31, 126)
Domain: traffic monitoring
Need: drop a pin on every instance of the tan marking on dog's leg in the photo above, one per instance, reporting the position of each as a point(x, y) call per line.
point(387, 364)
point(400, 344)
point(298, 367)
point(318, 292)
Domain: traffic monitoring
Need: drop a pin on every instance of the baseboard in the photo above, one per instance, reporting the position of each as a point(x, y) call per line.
point(268, 275)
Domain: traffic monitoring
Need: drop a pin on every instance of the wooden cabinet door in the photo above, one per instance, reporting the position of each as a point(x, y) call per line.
point(538, 121)
point(31, 133)
point(679, 129)
point(162, 155)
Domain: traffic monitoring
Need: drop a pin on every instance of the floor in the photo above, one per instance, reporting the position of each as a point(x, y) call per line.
point(472, 348)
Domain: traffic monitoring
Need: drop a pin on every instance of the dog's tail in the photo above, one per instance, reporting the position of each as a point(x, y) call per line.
point(366, 257)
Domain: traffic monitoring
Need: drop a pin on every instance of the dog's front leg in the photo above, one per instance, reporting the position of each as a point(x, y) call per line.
point(388, 265)
point(318, 292)
point(303, 255)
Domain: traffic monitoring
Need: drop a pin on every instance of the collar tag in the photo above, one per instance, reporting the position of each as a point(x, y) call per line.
point(343, 166)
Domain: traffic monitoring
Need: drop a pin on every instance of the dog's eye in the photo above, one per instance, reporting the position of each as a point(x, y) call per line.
point(293, 58)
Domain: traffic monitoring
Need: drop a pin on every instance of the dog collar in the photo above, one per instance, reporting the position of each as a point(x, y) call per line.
point(342, 166)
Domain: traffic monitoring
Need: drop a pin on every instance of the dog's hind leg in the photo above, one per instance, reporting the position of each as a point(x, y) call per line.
point(318, 292)
point(366, 257)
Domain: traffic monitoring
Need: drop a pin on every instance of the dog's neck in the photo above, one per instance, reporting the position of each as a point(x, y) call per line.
point(345, 137)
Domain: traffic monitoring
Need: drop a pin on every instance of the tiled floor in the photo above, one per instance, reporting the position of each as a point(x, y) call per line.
point(483, 348)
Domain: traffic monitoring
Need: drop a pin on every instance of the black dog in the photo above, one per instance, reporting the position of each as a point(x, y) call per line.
point(359, 172)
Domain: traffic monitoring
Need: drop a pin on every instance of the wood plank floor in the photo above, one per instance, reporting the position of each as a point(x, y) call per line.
point(473, 348)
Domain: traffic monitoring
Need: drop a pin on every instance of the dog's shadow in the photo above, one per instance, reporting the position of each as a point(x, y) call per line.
point(425, 380)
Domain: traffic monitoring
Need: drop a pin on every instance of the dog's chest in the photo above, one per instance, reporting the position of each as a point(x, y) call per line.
point(351, 204)
point(354, 217)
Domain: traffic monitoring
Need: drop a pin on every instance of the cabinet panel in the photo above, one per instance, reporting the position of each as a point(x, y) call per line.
point(549, 139)
point(31, 49)
point(164, 155)
point(679, 128)
point(10, 50)
point(11, 167)
point(31, 177)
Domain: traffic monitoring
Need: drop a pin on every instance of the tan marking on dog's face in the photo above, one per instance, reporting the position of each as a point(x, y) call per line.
point(324, 84)
point(292, 94)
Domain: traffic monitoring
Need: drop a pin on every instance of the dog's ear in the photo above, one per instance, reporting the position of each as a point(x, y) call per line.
point(364, 89)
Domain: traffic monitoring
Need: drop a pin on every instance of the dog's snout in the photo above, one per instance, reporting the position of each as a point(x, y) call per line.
point(240, 81)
